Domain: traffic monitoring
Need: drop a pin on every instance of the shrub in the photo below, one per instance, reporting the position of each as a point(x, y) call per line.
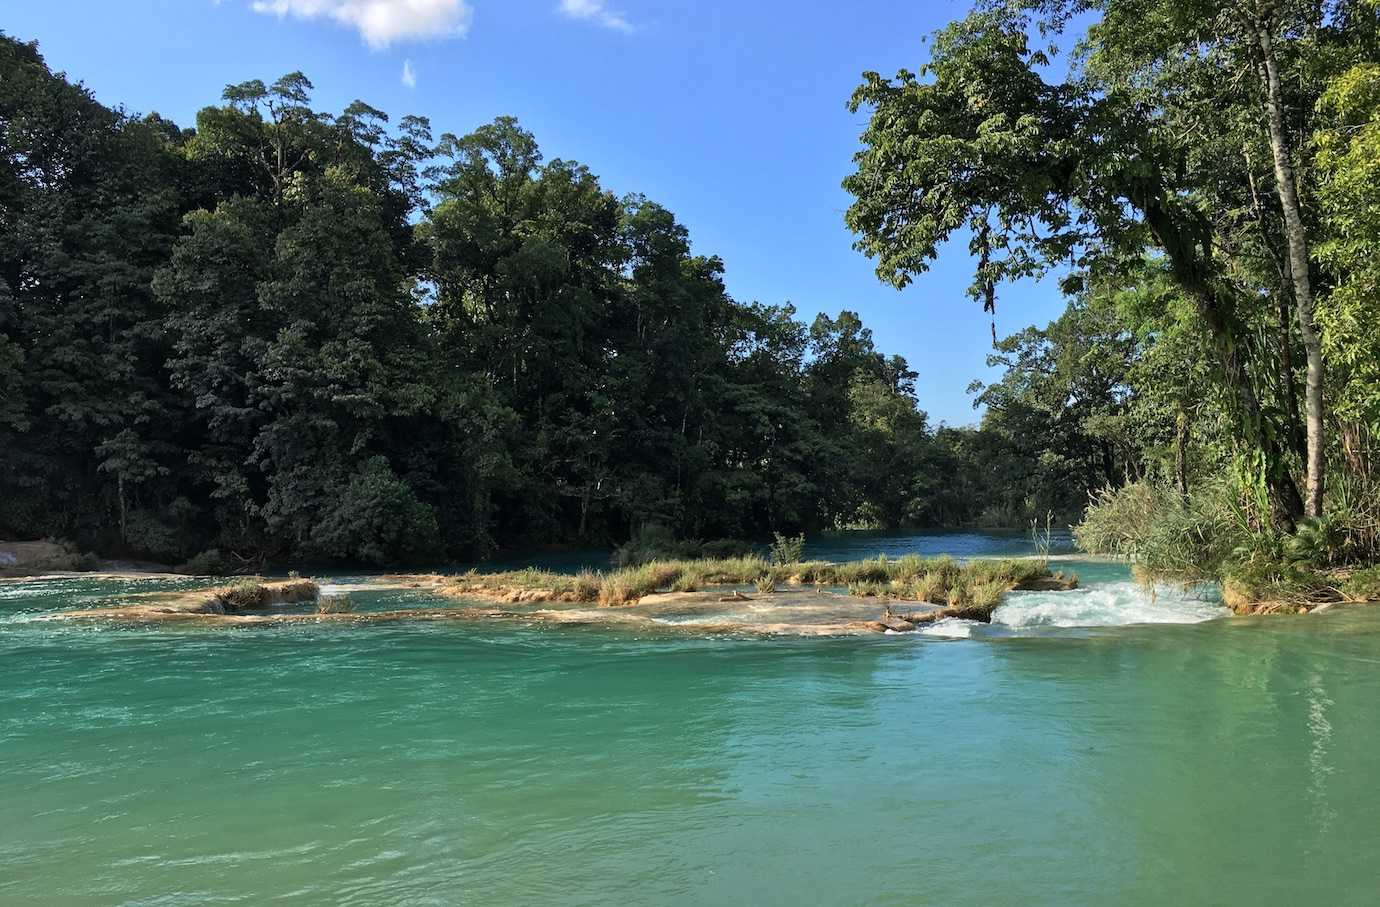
point(376, 518)
point(1171, 537)
point(207, 563)
point(653, 542)
point(766, 583)
point(787, 549)
point(1321, 542)
point(723, 549)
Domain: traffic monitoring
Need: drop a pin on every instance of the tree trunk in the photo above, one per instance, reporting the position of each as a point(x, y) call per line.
point(1186, 238)
point(124, 534)
point(1297, 438)
point(1286, 374)
point(1298, 265)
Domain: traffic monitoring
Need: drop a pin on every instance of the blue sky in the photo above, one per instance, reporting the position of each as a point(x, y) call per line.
point(731, 114)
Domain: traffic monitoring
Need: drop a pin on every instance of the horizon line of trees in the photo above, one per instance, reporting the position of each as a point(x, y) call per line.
point(292, 334)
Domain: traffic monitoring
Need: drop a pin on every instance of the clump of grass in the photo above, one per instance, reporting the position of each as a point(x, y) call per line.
point(617, 589)
point(870, 571)
point(734, 569)
point(252, 593)
point(812, 573)
point(906, 578)
point(1008, 572)
point(1363, 585)
point(870, 589)
point(585, 586)
point(908, 568)
point(624, 587)
point(984, 597)
point(692, 578)
point(929, 588)
point(1259, 583)
point(334, 604)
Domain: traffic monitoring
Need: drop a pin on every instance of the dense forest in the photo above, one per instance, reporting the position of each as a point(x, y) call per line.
point(1205, 181)
point(287, 333)
point(292, 334)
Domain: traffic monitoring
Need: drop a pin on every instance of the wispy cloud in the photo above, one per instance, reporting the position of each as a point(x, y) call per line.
point(381, 22)
point(409, 76)
point(595, 11)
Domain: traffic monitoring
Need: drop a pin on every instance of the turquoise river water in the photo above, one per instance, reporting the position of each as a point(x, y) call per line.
point(1093, 747)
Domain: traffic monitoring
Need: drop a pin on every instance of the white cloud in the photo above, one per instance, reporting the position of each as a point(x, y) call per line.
point(409, 76)
point(595, 11)
point(381, 22)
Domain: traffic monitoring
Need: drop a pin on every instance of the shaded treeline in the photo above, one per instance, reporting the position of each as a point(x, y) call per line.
point(286, 333)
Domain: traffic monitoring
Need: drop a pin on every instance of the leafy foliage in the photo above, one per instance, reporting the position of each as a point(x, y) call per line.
point(297, 334)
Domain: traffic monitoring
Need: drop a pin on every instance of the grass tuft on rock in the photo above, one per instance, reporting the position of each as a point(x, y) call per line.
point(253, 593)
point(977, 585)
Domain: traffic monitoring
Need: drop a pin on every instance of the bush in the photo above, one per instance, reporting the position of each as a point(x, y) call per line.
point(787, 549)
point(377, 519)
point(207, 563)
point(654, 542)
point(723, 549)
point(1170, 537)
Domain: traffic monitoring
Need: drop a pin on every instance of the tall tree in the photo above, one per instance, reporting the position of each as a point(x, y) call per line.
point(1089, 171)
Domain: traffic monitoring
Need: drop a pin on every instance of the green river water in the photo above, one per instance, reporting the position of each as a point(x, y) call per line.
point(1069, 754)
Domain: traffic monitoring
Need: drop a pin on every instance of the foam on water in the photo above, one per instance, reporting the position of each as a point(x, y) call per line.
point(950, 628)
point(1106, 605)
